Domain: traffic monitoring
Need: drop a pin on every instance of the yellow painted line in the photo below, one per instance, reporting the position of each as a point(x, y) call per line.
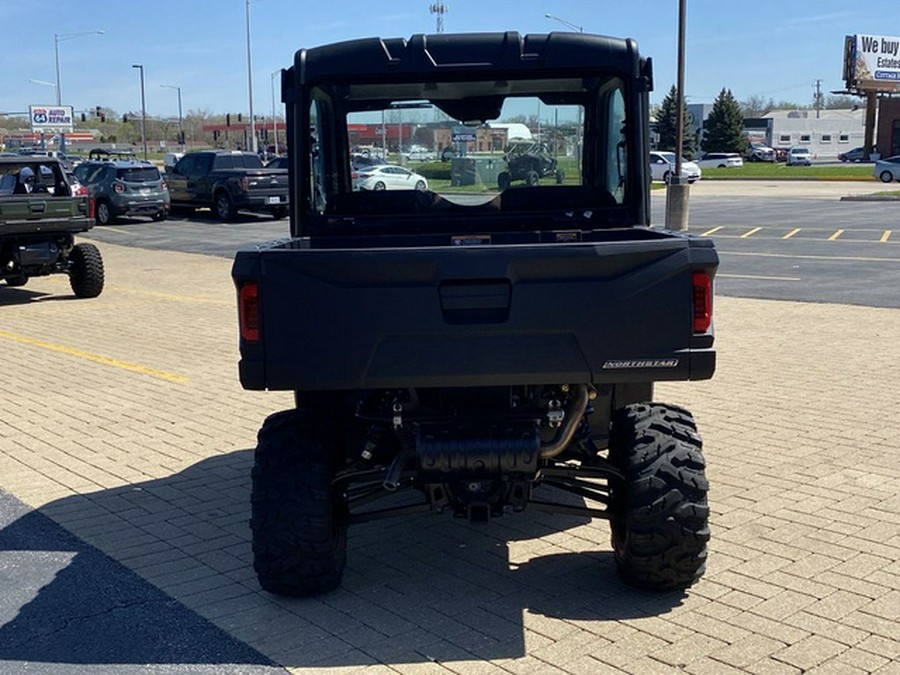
point(97, 358)
point(789, 256)
point(176, 298)
point(712, 231)
point(749, 234)
point(756, 276)
point(835, 236)
point(792, 233)
point(885, 236)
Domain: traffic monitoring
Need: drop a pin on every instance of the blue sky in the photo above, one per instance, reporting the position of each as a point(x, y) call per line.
point(768, 48)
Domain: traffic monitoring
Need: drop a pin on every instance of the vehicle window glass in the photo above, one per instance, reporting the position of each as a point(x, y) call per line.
point(250, 161)
point(141, 174)
point(616, 142)
point(224, 162)
point(318, 198)
point(188, 165)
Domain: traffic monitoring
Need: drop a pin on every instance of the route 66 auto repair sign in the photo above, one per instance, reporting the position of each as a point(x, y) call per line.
point(51, 118)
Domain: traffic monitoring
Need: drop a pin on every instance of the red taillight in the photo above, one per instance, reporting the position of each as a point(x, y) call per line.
point(248, 312)
point(118, 187)
point(702, 291)
point(81, 191)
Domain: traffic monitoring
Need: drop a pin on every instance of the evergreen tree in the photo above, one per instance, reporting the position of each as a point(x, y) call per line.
point(666, 120)
point(725, 126)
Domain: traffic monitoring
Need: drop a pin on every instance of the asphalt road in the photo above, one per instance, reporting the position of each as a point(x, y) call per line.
point(784, 241)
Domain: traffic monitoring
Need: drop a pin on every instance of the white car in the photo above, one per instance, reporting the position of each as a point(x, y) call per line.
point(720, 160)
point(418, 153)
point(662, 165)
point(887, 169)
point(799, 156)
point(388, 177)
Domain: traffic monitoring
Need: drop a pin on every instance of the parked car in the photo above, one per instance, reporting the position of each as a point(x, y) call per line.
point(662, 166)
point(888, 169)
point(277, 163)
point(171, 159)
point(388, 177)
point(799, 156)
point(781, 154)
point(419, 153)
point(125, 188)
point(760, 152)
point(854, 155)
point(720, 160)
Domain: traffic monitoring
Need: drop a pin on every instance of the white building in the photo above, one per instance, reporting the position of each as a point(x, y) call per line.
point(826, 133)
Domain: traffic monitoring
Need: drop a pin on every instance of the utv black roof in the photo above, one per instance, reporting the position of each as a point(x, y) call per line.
point(466, 54)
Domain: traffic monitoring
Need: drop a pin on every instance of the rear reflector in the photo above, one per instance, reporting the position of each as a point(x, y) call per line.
point(248, 310)
point(702, 285)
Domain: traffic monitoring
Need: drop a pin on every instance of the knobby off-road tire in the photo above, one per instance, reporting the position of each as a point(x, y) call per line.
point(86, 274)
point(661, 524)
point(299, 524)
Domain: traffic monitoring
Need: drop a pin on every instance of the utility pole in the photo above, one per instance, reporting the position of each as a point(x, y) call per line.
point(818, 98)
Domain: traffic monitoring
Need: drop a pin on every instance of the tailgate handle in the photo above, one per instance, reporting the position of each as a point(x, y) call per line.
point(475, 300)
point(37, 207)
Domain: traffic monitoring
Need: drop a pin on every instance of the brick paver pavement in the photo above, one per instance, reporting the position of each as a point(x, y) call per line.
point(124, 422)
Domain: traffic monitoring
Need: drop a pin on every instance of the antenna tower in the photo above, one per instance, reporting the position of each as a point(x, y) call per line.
point(439, 8)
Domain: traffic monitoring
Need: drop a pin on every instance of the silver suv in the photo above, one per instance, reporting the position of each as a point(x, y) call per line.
point(125, 188)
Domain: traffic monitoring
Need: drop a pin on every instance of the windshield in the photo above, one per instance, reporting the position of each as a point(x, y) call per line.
point(489, 147)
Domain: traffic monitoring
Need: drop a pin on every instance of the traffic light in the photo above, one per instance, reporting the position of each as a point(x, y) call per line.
point(239, 117)
point(97, 111)
point(125, 119)
point(83, 117)
point(102, 117)
point(215, 134)
point(228, 119)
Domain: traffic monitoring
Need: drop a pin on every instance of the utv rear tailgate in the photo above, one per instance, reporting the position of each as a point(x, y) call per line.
point(609, 311)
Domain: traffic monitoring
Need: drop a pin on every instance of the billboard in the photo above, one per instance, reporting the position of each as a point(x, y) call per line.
point(51, 119)
point(872, 62)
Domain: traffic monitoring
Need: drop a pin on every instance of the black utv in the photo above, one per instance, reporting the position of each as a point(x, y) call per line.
point(477, 354)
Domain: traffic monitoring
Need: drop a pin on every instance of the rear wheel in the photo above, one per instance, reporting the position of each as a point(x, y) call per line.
point(420, 186)
point(532, 178)
point(86, 271)
point(104, 213)
point(279, 212)
point(298, 520)
point(19, 280)
point(160, 216)
point(379, 186)
point(886, 176)
point(223, 207)
point(660, 526)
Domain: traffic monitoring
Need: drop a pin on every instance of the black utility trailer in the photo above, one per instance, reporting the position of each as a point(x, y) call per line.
point(489, 353)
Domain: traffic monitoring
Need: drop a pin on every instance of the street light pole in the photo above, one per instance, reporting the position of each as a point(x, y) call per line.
point(180, 117)
point(57, 38)
point(274, 118)
point(253, 144)
point(143, 111)
point(60, 37)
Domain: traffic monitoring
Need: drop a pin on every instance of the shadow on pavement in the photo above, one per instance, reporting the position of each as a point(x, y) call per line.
point(66, 602)
point(416, 589)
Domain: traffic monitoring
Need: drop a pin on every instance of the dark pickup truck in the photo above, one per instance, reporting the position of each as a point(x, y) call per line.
point(476, 352)
point(39, 217)
point(227, 182)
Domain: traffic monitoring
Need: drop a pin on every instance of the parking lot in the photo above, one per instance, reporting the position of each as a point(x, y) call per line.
point(123, 422)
